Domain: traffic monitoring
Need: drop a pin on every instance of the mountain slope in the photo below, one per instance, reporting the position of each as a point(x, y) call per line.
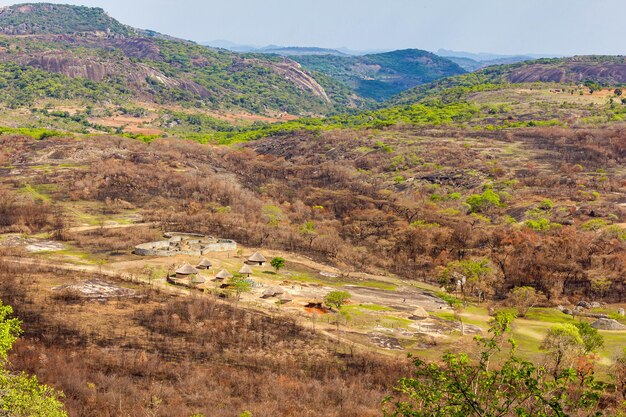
point(85, 43)
point(380, 76)
point(46, 18)
point(588, 70)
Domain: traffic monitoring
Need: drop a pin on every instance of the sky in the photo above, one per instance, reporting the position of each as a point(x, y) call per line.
point(551, 27)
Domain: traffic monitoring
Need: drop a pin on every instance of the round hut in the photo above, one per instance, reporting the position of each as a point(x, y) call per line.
point(197, 279)
point(185, 271)
point(204, 264)
point(419, 313)
point(222, 275)
point(246, 270)
point(256, 259)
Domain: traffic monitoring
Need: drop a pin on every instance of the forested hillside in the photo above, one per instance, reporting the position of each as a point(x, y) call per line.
point(380, 76)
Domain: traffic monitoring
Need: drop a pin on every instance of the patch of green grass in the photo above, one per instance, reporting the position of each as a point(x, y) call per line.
point(380, 285)
point(71, 255)
point(548, 315)
point(446, 315)
point(368, 307)
point(38, 192)
point(338, 282)
point(395, 322)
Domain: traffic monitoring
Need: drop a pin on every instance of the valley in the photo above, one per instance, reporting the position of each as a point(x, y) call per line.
point(295, 231)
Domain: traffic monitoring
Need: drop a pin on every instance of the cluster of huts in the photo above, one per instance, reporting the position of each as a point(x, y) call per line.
point(187, 274)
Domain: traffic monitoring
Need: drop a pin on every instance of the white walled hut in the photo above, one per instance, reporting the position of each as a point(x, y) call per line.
point(256, 259)
point(222, 275)
point(204, 264)
point(246, 270)
point(185, 271)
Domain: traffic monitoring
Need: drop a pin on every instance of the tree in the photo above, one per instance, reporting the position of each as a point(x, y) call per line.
point(481, 203)
point(619, 374)
point(523, 299)
point(308, 231)
point(336, 299)
point(475, 276)
point(460, 387)
point(592, 339)
point(22, 395)
point(563, 343)
point(240, 285)
point(277, 263)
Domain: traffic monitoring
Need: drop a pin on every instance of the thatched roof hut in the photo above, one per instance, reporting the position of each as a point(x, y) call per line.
point(245, 270)
point(204, 264)
point(198, 279)
point(256, 258)
point(223, 274)
point(419, 313)
point(185, 270)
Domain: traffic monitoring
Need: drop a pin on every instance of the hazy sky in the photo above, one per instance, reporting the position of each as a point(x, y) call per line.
point(501, 26)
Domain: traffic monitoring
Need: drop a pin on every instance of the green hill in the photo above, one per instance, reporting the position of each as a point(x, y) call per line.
point(85, 44)
point(47, 18)
point(381, 76)
point(589, 71)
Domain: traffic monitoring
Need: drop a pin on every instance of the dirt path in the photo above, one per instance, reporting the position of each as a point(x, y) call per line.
point(109, 226)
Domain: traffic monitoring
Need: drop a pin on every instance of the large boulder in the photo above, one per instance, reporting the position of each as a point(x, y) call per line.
point(621, 312)
point(608, 324)
point(583, 304)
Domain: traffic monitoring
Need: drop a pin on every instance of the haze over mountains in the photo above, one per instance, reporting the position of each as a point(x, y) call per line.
point(120, 61)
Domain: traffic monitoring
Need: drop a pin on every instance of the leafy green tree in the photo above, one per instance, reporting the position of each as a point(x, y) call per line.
point(523, 299)
point(480, 203)
point(336, 299)
point(564, 343)
point(592, 339)
point(277, 263)
point(461, 387)
point(240, 285)
point(308, 231)
point(473, 276)
point(22, 395)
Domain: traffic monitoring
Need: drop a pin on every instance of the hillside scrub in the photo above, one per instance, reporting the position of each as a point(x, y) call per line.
point(161, 355)
point(357, 214)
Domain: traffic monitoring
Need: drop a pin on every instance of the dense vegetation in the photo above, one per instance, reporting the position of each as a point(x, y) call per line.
point(42, 18)
point(381, 76)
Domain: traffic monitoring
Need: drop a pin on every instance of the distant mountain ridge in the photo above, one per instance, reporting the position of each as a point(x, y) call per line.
point(381, 76)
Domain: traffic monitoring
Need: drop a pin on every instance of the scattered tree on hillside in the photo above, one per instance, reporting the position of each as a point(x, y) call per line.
point(336, 299)
point(564, 344)
point(523, 299)
point(277, 263)
point(471, 276)
point(592, 339)
point(240, 285)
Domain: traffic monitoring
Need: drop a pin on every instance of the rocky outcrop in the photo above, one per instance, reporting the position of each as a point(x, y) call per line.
point(573, 70)
point(293, 72)
point(608, 324)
